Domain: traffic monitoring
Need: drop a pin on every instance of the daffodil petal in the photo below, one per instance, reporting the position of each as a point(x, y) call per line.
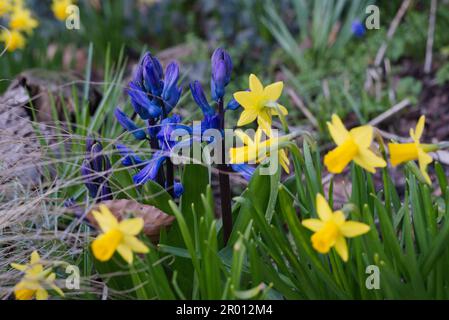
point(322, 206)
point(41, 294)
point(136, 245)
point(126, 253)
point(420, 127)
point(424, 160)
point(313, 224)
point(35, 258)
point(369, 161)
point(337, 130)
point(284, 161)
point(338, 217)
point(243, 137)
point(254, 84)
point(264, 120)
point(247, 117)
point(20, 267)
point(105, 219)
point(352, 229)
point(363, 136)
point(342, 248)
point(132, 226)
point(245, 99)
point(273, 91)
point(282, 109)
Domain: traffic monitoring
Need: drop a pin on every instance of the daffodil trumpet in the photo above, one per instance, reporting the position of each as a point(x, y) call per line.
point(405, 152)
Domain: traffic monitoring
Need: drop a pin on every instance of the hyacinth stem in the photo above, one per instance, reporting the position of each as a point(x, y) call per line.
point(169, 164)
point(155, 146)
point(225, 187)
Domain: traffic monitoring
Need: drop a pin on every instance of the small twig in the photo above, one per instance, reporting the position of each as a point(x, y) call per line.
point(430, 36)
point(391, 31)
point(298, 102)
point(390, 112)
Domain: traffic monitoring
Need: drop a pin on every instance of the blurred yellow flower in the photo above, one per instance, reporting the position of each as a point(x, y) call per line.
point(59, 8)
point(353, 145)
point(35, 280)
point(331, 229)
point(5, 7)
point(117, 236)
point(256, 150)
point(404, 152)
point(260, 103)
point(21, 20)
point(13, 40)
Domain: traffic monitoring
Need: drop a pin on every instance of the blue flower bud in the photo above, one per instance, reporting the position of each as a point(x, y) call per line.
point(358, 29)
point(178, 189)
point(142, 103)
point(89, 178)
point(129, 125)
point(170, 81)
point(173, 99)
point(96, 157)
point(221, 73)
point(200, 98)
point(152, 75)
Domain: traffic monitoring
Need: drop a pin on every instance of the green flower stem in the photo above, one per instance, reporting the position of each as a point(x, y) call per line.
point(225, 187)
point(154, 146)
point(169, 165)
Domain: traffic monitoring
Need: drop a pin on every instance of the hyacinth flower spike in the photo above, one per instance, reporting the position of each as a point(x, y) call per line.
point(36, 280)
point(404, 152)
point(353, 145)
point(331, 229)
point(260, 103)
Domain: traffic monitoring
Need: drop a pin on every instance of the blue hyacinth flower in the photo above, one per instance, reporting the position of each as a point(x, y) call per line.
point(129, 158)
point(129, 125)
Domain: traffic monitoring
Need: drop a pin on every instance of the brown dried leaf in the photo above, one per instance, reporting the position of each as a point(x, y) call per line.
point(154, 219)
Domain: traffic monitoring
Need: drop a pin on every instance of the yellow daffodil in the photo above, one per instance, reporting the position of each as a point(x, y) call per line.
point(404, 152)
point(117, 236)
point(35, 280)
point(331, 229)
point(5, 7)
point(21, 20)
point(59, 8)
point(257, 151)
point(353, 145)
point(260, 103)
point(13, 40)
